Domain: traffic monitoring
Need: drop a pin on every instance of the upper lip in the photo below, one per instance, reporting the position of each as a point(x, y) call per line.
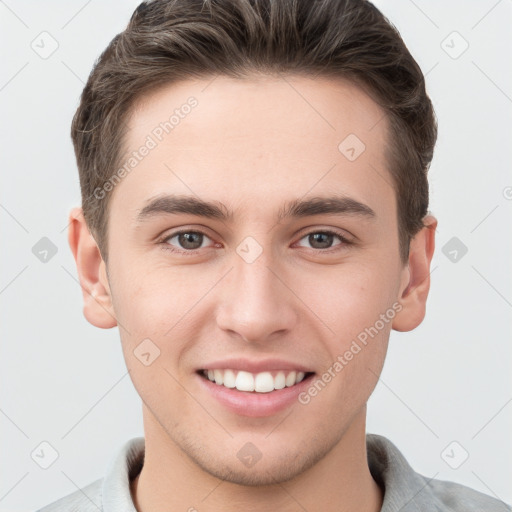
point(254, 366)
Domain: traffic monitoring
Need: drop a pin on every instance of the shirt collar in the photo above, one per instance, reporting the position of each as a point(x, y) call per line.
point(403, 489)
point(122, 470)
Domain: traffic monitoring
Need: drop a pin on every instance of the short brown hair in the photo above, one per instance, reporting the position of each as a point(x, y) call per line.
point(171, 40)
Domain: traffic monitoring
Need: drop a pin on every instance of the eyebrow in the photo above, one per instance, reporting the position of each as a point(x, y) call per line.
point(176, 204)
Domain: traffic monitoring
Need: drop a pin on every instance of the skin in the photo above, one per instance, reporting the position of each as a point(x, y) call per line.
point(254, 144)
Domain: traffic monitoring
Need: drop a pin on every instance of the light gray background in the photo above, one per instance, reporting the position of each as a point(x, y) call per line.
point(64, 381)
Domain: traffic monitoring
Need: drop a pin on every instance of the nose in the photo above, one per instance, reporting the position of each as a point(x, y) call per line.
point(256, 303)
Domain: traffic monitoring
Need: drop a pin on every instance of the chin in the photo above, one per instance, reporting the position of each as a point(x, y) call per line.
point(269, 467)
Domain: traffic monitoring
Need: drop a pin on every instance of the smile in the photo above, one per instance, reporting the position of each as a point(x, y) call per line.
point(262, 382)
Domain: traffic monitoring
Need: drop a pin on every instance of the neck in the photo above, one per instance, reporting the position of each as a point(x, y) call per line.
point(341, 481)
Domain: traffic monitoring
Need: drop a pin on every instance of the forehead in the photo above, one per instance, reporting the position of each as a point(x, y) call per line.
point(256, 139)
point(259, 103)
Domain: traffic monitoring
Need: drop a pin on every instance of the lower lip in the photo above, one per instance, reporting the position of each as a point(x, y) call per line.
point(253, 404)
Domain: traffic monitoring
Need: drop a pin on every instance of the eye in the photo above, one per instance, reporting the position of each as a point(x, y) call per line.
point(187, 241)
point(324, 239)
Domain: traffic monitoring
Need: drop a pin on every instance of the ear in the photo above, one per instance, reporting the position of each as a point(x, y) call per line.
point(415, 283)
point(98, 309)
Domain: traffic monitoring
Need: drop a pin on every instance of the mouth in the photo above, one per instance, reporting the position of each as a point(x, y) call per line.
point(261, 382)
point(254, 388)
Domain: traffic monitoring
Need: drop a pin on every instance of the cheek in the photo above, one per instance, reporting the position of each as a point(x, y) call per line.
point(357, 306)
point(154, 309)
point(348, 300)
point(155, 298)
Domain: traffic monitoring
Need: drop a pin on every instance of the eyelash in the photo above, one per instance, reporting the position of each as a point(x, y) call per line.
point(192, 252)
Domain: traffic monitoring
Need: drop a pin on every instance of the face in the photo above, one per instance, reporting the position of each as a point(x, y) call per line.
point(273, 284)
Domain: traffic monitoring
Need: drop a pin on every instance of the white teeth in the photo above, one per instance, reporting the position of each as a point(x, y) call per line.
point(263, 382)
point(244, 381)
point(229, 378)
point(290, 379)
point(218, 376)
point(279, 381)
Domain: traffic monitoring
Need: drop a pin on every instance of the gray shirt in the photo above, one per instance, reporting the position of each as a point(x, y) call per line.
point(404, 489)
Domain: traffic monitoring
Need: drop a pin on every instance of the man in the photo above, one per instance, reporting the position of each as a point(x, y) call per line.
point(255, 221)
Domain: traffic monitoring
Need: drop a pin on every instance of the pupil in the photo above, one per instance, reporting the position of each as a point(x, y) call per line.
point(319, 237)
point(188, 238)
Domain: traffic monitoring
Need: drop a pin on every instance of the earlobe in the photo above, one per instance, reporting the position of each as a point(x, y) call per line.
point(98, 308)
point(416, 278)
